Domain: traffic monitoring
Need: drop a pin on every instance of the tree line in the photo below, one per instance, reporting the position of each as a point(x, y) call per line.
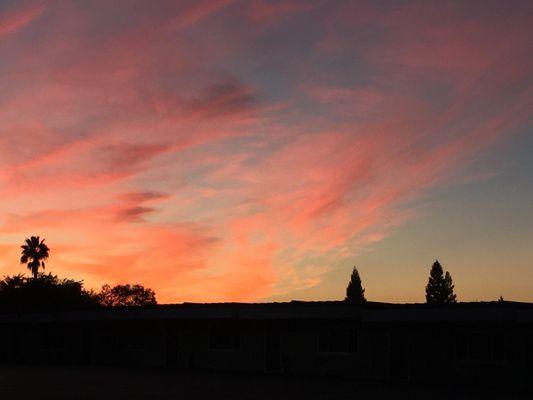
point(49, 292)
point(439, 289)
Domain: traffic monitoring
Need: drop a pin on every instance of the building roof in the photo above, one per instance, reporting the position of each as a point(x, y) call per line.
point(370, 312)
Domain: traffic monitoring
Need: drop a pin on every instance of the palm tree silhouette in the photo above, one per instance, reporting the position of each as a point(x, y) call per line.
point(33, 253)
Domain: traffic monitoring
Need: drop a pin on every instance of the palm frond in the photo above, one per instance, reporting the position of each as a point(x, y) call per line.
point(35, 240)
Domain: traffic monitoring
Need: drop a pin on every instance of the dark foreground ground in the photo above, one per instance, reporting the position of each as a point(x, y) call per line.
point(60, 382)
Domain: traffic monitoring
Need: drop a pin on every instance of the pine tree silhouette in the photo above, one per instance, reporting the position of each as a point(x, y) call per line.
point(439, 289)
point(354, 292)
point(448, 288)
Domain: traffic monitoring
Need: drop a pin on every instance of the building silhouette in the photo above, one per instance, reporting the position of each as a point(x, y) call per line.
point(465, 343)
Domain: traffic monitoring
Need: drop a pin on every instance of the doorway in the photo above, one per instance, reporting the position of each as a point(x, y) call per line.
point(273, 351)
point(399, 356)
point(172, 347)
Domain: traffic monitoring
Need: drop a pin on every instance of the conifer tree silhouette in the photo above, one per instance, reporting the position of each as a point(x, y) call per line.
point(448, 288)
point(354, 292)
point(439, 289)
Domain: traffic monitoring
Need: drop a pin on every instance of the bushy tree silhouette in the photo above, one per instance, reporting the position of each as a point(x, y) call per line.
point(126, 296)
point(48, 292)
point(34, 253)
point(44, 293)
point(439, 289)
point(354, 292)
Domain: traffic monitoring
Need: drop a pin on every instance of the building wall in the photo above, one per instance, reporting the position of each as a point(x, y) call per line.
point(443, 353)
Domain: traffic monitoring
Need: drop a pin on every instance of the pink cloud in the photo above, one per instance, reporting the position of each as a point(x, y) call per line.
point(199, 10)
point(216, 159)
point(265, 12)
point(12, 21)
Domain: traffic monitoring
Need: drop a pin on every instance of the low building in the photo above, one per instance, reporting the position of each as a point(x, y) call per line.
point(471, 343)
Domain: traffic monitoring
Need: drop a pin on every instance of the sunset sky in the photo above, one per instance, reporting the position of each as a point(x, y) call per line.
point(257, 150)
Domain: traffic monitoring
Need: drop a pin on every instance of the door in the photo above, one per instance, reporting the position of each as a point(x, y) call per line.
point(172, 347)
point(273, 351)
point(399, 356)
point(87, 345)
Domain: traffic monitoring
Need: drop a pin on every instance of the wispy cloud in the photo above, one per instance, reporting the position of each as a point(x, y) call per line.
point(13, 20)
point(235, 150)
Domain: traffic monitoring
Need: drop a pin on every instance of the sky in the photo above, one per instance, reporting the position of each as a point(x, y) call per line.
point(229, 150)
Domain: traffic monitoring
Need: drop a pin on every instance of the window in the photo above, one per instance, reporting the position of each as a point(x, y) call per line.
point(131, 338)
point(53, 337)
point(498, 347)
point(337, 340)
point(224, 337)
point(479, 346)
